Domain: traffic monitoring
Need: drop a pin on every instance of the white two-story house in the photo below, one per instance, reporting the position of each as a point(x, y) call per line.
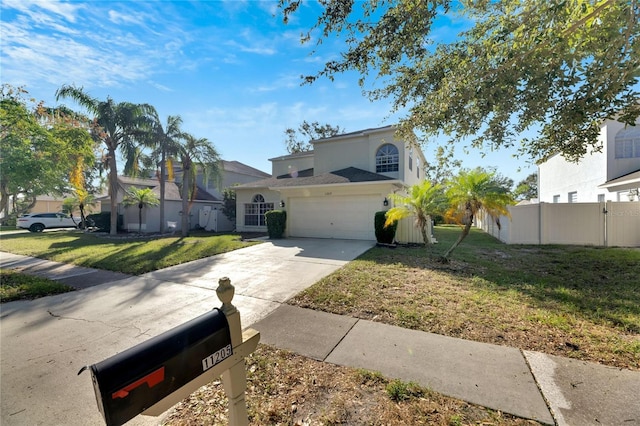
point(334, 190)
point(613, 174)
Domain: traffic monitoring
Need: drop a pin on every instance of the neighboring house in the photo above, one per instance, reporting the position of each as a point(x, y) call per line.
point(334, 190)
point(201, 214)
point(610, 175)
point(234, 173)
point(54, 204)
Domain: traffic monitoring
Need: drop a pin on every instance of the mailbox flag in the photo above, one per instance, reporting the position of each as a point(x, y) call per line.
point(132, 381)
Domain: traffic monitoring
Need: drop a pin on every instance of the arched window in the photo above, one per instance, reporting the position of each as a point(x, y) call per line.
point(628, 142)
point(387, 159)
point(254, 211)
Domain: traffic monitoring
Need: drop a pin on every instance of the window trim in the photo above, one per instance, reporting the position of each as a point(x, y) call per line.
point(387, 158)
point(255, 211)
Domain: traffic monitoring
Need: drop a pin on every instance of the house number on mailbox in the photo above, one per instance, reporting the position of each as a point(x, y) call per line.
point(216, 357)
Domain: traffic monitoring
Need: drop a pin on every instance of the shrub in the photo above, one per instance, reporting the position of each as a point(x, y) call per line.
point(384, 235)
point(276, 223)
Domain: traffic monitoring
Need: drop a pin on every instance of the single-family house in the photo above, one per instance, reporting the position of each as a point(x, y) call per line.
point(234, 173)
point(334, 190)
point(613, 174)
point(200, 215)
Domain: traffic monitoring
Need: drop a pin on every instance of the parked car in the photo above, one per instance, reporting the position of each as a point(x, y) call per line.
point(38, 222)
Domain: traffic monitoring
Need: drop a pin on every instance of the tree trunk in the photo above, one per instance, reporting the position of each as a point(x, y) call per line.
point(162, 187)
point(186, 177)
point(465, 232)
point(113, 190)
point(4, 200)
point(140, 218)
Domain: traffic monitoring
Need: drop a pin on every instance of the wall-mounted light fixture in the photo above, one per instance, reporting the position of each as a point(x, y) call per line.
point(281, 204)
point(385, 202)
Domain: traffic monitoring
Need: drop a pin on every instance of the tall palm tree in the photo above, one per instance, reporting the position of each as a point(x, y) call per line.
point(165, 145)
point(141, 197)
point(196, 154)
point(115, 124)
point(472, 191)
point(423, 200)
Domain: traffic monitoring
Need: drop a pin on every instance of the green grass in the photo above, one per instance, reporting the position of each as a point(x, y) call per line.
point(581, 302)
point(127, 255)
point(17, 286)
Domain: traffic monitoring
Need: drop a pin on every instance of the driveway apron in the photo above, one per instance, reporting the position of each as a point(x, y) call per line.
point(46, 342)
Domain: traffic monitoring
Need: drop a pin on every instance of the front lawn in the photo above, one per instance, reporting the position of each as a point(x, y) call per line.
point(580, 302)
point(122, 253)
point(17, 286)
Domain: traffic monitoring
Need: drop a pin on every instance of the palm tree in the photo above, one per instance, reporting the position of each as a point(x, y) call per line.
point(80, 200)
point(195, 154)
point(142, 197)
point(424, 199)
point(472, 191)
point(115, 125)
point(165, 143)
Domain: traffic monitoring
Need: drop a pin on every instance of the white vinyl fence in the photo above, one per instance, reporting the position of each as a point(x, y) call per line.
point(607, 224)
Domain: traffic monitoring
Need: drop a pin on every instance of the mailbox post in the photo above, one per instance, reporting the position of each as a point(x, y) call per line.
point(153, 376)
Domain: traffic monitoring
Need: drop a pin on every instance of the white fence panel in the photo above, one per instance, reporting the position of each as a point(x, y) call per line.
point(407, 232)
point(572, 223)
point(623, 224)
point(600, 224)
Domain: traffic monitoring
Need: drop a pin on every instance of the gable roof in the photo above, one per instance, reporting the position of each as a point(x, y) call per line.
point(243, 169)
point(171, 190)
point(357, 133)
point(306, 178)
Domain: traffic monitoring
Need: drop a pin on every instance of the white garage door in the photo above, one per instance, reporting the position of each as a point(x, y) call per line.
point(348, 217)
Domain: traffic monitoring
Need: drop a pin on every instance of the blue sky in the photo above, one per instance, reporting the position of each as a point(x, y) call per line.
point(230, 69)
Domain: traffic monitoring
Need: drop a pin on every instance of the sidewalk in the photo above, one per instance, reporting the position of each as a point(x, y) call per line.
point(549, 389)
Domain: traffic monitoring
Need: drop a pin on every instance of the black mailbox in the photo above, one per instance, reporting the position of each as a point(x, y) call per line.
point(130, 382)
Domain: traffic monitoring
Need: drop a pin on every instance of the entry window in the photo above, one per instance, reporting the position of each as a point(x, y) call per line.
point(573, 197)
point(387, 159)
point(254, 211)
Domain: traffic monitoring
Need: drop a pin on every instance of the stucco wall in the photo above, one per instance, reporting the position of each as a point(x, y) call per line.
point(291, 164)
point(558, 176)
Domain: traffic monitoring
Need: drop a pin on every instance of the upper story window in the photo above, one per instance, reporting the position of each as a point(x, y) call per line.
point(627, 143)
point(556, 198)
point(572, 197)
point(387, 159)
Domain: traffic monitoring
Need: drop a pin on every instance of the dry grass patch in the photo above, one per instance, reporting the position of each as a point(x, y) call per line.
point(288, 389)
point(580, 302)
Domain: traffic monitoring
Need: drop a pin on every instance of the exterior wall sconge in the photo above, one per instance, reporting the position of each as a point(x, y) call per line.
point(281, 203)
point(385, 202)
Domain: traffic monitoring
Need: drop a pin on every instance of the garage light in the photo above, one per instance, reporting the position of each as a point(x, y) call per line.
point(385, 202)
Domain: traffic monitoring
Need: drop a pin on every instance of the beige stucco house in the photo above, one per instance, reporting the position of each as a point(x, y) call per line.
point(334, 190)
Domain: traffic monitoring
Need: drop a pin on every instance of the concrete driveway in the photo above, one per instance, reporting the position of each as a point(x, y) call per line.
point(44, 343)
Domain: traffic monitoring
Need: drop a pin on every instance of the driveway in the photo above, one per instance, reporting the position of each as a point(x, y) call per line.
point(45, 342)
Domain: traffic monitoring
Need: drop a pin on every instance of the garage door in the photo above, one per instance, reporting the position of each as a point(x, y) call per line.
point(348, 217)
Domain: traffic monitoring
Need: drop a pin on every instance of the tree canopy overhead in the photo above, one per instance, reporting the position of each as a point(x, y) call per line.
point(561, 66)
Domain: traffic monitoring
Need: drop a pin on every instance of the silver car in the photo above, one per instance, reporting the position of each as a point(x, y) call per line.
point(38, 222)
